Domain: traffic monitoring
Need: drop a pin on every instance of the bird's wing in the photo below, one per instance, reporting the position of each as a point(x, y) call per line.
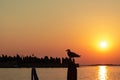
point(75, 55)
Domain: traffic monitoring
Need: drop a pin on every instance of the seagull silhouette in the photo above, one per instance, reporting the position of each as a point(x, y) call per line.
point(72, 54)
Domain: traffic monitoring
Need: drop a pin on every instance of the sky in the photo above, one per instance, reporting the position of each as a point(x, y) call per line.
point(49, 27)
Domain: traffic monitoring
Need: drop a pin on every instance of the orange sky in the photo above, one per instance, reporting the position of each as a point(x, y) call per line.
point(50, 27)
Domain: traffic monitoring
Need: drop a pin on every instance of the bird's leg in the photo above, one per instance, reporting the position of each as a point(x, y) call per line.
point(73, 60)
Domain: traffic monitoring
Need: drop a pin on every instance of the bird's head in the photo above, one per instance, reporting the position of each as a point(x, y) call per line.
point(68, 50)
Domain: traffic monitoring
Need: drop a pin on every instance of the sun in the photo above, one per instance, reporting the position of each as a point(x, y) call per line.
point(103, 44)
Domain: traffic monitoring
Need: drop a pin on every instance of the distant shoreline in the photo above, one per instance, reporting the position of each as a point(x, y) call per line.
point(92, 65)
point(101, 65)
point(33, 61)
point(43, 66)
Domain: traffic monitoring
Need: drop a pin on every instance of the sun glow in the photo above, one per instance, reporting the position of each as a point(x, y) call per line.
point(103, 44)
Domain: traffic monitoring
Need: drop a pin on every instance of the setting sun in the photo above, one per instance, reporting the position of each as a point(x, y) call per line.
point(103, 44)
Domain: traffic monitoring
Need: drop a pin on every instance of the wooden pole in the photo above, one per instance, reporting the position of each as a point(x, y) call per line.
point(72, 71)
point(34, 74)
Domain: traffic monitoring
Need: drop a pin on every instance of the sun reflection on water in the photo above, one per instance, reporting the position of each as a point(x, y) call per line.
point(102, 73)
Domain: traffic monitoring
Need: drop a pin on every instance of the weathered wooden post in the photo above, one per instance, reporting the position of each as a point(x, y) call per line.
point(34, 74)
point(72, 71)
point(72, 68)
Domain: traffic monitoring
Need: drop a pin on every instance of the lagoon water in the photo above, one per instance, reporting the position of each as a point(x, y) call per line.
point(84, 73)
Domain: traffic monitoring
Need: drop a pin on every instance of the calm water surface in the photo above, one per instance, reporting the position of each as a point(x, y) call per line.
point(84, 73)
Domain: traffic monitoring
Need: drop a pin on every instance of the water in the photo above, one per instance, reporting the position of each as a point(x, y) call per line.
point(84, 73)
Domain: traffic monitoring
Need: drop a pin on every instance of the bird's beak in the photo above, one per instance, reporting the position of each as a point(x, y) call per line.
point(66, 50)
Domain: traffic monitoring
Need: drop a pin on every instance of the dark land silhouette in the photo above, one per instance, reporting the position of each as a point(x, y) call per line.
point(33, 61)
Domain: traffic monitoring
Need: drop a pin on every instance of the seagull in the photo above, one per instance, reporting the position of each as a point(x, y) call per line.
point(72, 54)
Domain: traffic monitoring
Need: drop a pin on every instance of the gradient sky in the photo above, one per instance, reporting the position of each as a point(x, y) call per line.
point(49, 27)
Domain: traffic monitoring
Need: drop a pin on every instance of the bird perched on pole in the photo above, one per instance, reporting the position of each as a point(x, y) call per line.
point(72, 54)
